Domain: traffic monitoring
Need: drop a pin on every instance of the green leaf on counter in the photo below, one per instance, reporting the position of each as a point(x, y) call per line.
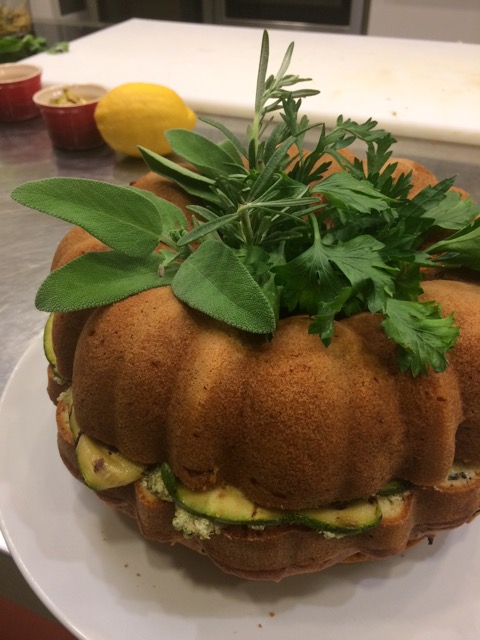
point(123, 218)
point(59, 47)
point(15, 48)
point(213, 280)
point(95, 279)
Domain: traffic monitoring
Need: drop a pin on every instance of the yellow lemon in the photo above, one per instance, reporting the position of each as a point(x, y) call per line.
point(138, 113)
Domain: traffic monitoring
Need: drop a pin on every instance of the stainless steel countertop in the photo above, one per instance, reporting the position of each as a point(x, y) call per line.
point(28, 239)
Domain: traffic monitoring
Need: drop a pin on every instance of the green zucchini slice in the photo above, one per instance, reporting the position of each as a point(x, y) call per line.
point(395, 486)
point(104, 468)
point(223, 504)
point(347, 519)
point(229, 505)
point(48, 342)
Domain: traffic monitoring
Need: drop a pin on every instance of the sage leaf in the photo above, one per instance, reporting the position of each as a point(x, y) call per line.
point(230, 148)
point(207, 156)
point(122, 218)
point(214, 281)
point(98, 278)
point(171, 216)
point(193, 183)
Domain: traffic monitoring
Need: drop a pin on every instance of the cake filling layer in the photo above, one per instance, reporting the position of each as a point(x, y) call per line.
point(205, 513)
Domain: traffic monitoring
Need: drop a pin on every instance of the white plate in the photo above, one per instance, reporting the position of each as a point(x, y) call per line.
point(104, 582)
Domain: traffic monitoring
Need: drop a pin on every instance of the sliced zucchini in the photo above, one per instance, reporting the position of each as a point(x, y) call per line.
point(223, 504)
point(48, 342)
point(49, 350)
point(229, 505)
point(394, 486)
point(104, 468)
point(351, 518)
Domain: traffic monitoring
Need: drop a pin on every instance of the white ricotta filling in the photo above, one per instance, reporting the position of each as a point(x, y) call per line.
point(191, 525)
point(154, 483)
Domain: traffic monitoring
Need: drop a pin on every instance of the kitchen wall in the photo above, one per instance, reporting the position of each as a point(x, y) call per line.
point(53, 9)
point(451, 20)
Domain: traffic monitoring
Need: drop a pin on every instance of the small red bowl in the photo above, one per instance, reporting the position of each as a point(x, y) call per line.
point(18, 84)
point(71, 126)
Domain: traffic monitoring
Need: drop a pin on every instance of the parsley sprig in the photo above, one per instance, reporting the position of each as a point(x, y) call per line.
point(273, 233)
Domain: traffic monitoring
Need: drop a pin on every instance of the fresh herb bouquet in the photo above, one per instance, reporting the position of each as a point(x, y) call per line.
point(273, 235)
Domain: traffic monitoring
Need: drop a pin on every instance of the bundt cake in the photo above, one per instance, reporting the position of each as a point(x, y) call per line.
point(332, 419)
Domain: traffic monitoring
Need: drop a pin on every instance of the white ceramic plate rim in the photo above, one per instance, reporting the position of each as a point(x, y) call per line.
point(104, 582)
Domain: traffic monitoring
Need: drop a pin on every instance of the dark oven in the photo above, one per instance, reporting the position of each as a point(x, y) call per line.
point(340, 16)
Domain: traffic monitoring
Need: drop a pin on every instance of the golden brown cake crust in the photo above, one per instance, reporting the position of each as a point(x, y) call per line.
point(280, 551)
point(289, 422)
point(347, 422)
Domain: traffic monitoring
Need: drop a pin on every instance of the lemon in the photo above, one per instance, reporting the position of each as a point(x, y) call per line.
point(139, 113)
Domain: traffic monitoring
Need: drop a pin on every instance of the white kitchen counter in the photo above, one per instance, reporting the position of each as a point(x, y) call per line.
point(414, 88)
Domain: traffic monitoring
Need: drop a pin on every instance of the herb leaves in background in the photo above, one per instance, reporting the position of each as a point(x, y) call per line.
point(274, 231)
point(14, 48)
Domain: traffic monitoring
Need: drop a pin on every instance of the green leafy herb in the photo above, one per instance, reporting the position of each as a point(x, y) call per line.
point(461, 249)
point(228, 293)
point(96, 279)
point(107, 211)
point(423, 334)
point(274, 233)
point(14, 48)
point(59, 47)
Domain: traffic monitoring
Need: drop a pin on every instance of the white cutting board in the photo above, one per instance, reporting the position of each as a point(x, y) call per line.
point(415, 88)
